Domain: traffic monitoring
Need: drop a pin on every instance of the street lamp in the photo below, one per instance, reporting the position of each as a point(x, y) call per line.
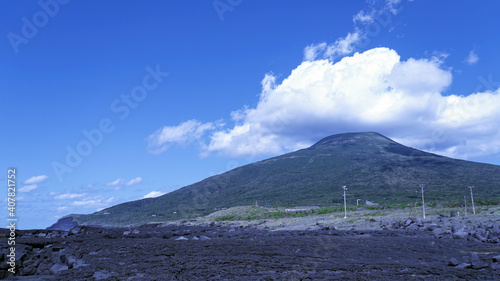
point(423, 203)
point(345, 204)
point(472, 199)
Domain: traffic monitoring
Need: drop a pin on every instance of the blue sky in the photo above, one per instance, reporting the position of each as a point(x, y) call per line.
point(107, 102)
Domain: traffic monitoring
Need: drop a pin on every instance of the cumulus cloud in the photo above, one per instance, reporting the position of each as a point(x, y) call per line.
point(153, 194)
point(36, 179)
point(370, 91)
point(472, 58)
point(184, 133)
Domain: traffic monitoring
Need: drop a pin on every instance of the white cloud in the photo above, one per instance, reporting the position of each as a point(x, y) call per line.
point(153, 194)
point(121, 181)
point(366, 25)
point(36, 179)
point(28, 188)
point(378, 17)
point(115, 182)
point(93, 202)
point(472, 58)
point(32, 183)
point(419, 76)
point(314, 51)
point(370, 91)
point(62, 208)
point(184, 133)
point(341, 47)
point(363, 17)
point(69, 196)
point(392, 6)
point(133, 181)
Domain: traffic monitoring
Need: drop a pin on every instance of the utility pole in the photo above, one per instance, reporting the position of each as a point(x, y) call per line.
point(423, 203)
point(472, 199)
point(465, 201)
point(345, 204)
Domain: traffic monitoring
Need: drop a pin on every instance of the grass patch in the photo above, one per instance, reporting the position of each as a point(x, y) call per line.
point(226, 218)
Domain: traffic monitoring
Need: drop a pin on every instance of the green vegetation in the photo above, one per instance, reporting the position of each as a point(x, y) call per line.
point(355, 215)
point(372, 166)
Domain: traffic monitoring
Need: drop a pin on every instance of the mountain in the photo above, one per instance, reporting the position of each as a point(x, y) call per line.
point(372, 166)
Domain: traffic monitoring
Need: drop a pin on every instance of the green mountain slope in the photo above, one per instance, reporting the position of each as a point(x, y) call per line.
point(372, 166)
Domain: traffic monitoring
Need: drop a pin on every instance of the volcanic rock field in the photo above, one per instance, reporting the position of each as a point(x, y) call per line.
point(439, 248)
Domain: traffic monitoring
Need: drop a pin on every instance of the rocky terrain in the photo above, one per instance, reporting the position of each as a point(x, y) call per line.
point(442, 247)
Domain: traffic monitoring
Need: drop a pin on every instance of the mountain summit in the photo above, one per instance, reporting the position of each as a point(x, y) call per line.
point(374, 168)
point(353, 139)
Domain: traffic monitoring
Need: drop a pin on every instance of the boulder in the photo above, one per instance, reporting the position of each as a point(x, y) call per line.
point(494, 240)
point(412, 227)
point(456, 228)
point(477, 235)
point(479, 264)
point(438, 232)
point(58, 267)
point(464, 265)
point(453, 262)
point(460, 234)
point(432, 227)
point(75, 230)
point(102, 275)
